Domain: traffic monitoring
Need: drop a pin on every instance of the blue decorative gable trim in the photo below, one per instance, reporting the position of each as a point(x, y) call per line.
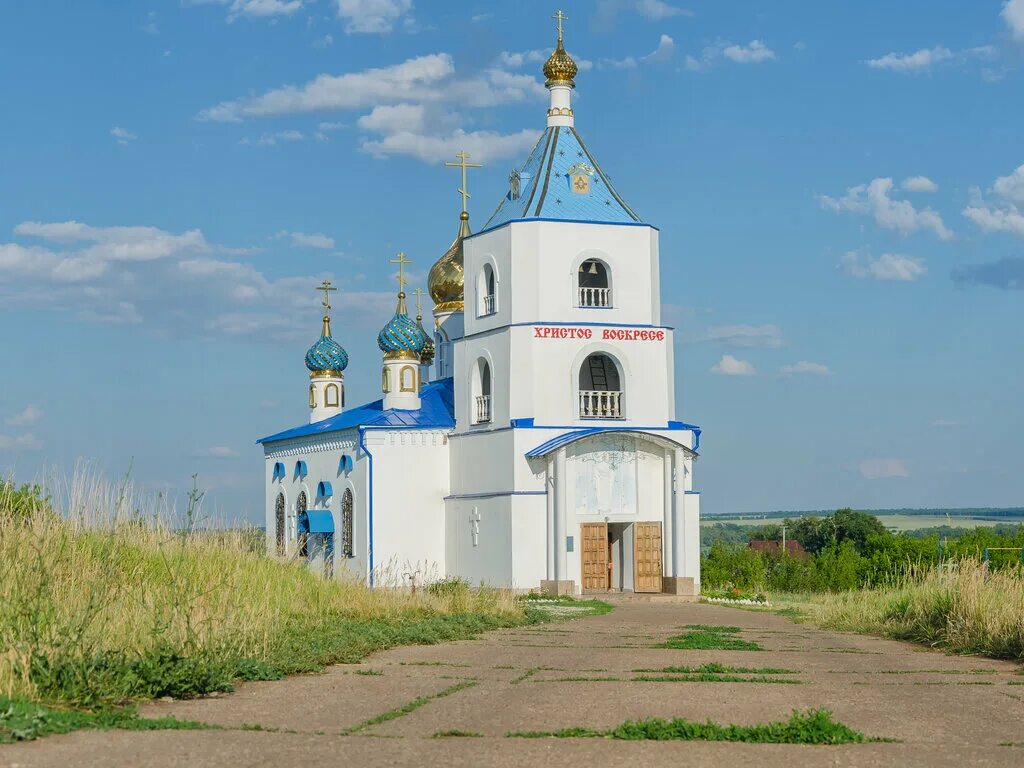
point(324, 490)
point(546, 188)
point(436, 411)
point(571, 437)
point(300, 469)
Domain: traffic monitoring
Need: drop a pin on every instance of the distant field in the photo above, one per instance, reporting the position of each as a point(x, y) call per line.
point(894, 522)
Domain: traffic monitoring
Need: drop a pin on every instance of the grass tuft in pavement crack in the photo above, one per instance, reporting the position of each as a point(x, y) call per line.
point(456, 734)
point(705, 637)
point(814, 726)
point(405, 709)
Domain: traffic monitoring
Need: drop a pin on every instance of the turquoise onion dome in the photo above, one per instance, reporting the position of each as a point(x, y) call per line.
point(402, 338)
point(326, 354)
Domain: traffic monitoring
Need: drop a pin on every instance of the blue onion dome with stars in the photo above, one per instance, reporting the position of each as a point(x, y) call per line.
point(326, 355)
point(402, 337)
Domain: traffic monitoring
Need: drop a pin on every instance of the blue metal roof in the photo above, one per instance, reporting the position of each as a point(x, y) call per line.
point(571, 437)
point(437, 409)
point(545, 188)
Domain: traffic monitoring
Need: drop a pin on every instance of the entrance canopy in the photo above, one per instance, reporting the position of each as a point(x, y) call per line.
point(567, 438)
point(316, 521)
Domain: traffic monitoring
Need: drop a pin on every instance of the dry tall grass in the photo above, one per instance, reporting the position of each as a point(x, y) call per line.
point(106, 578)
point(961, 609)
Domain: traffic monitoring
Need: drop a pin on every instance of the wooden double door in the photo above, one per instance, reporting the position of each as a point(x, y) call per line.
point(596, 557)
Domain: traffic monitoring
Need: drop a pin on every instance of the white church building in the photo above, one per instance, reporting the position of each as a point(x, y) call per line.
point(541, 449)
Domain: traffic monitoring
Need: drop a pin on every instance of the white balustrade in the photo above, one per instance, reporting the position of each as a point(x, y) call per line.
point(489, 304)
point(600, 404)
point(595, 297)
point(483, 409)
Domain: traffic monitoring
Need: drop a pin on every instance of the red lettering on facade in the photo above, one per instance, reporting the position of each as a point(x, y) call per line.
point(608, 334)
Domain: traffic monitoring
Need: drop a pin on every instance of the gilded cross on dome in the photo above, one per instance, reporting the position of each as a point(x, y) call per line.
point(325, 286)
point(559, 18)
point(419, 302)
point(401, 261)
point(462, 156)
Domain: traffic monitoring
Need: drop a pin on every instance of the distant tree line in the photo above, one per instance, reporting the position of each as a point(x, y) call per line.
point(845, 550)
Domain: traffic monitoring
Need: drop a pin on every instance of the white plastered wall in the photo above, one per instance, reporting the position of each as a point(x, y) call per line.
point(322, 456)
point(411, 479)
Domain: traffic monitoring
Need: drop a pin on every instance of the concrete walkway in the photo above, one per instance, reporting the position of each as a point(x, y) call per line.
point(944, 710)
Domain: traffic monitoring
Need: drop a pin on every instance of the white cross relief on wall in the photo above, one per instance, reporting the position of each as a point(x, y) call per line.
point(474, 526)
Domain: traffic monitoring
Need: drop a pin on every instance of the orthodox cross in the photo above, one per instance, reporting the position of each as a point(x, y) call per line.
point(325, 286)
point(560, 17)
point(474, 526)
point(401, 261)
point(419, 302)
point(462, 156)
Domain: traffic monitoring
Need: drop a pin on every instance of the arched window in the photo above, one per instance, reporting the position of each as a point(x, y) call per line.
point(600, 388)
point(279, 524)
point(594, 284)
point(300, 514)
point(385, 380)
point(347, 549)
point(487, 287)
point(312, 396)
point(407, 379)
point(331, 396)
point(482, 392)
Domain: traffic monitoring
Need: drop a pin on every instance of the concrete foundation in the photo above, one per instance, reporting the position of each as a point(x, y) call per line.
point(679, 585)
point(551, 587)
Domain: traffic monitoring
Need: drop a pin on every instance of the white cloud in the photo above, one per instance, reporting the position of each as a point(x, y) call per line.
point(898, 215)
point(515, 60)
point(483, 145)
point(991, 218)
point(878, 469)
point(27, 442)
point(1003, 215)
point(804, 367)
point(373, 16)
point(392, 119)
point(745, 335)
point(26, 418)
point(657, 10)
point(918, 184)
point(303, 240)
point(925, 59)
point(272, 139)
point(730, 366)
point(755, 52)
point(424, 79)
point(170, 284)
point(254, 8)
point(888, 266)
point(1013, 15)
point(1011, 187)
point(918, 61)
point(652, 10)
point(122, 136)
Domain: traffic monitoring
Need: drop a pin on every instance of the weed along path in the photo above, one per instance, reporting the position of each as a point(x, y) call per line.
point(651, 683)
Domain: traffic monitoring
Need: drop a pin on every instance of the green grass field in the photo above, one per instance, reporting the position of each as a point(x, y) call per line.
point(893, 522)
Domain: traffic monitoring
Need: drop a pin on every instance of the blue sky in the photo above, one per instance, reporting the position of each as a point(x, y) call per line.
point(839, 188)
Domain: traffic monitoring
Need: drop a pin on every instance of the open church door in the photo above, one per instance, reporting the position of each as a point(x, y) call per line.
point(647, 557)
point(594, 556)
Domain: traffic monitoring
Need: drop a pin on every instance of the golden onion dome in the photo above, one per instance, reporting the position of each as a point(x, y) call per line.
point(560, 69)
point(446, 281)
